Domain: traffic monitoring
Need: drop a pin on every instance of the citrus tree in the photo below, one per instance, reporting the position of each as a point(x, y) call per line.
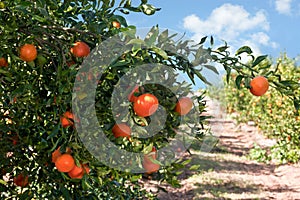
point(53, 53)
point(275, 114)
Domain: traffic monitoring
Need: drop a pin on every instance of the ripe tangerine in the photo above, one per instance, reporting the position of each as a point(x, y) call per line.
point(3, 62)
point(65, 163)
point(28, 52)
point(57, 153)
point(184, 105)
point(116, 24)
point(21, 180)
point(80, 49)
point(145, 105)
point(76, 172)
point(67, 119)
point(121, 130)
point(148, 164)
point(259, 86)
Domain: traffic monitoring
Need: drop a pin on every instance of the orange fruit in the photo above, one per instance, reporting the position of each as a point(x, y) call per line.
point(86, 168)
point(28, 52)
point(21, 180)
point(57, 153)
point(67, 119)
point(121, 130)
point(151, 167)
point(76, 172)
point(116, 24)
point(145, 105)
point(147, 163)
point(80, 49)
point(259, 85)
point(184, 105)
point(65, 163)
point(3, 62)
point(131, 97)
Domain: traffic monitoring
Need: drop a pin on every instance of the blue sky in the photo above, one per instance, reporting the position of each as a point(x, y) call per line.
point(267, 26)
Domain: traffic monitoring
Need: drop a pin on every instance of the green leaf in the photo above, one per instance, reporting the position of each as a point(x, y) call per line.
point(222, 48)
point(149, 9)
point(211, 41)
point(160, 52)
point(136, 41)
point(203, 40)
point(148, 149)
point(296, 104)
point(202, 78)
point(258, 60)
point(135, 178)
point(194, 167)
point(152, 35)
point(39, 18)
point(3, 182)
point(186, 162)
point(212, 68)
point(163, 36)
point(247, 82)
point(244, 49)
point(126, 12)
point(238, 81)
point(228, 72)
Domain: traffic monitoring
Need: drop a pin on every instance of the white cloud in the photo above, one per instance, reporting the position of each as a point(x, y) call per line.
point(228, 21)
point(283, 6)
point(233, 24)
point(264, 39)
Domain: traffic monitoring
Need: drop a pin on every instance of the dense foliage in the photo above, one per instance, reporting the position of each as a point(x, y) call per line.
point(38, 97)
point(274, 114)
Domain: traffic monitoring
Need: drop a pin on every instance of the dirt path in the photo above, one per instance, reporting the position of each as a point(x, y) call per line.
point(227, 173)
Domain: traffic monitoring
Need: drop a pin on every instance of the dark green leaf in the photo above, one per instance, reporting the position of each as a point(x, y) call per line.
point(152, 35)
point(238, 81)
point(228, 72)
point(258, 60)
point(202, 78)
point(194, 167)
point(211, 40)
point(296, 104)
point(244, 49)
point(223, 48)
point(203, 40)
point(212, 68)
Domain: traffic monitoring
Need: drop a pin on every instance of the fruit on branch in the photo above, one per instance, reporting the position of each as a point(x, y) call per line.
point(259, 86)
point(67, 119)
point(145, 105)
point(184, 106)
point(121, 130)
point(65, 163)
point(80, 49)
point(21, 180)
point(3, 62)
point(148, 164)
point(116, 24)
point(57, 153)
point(28, 52)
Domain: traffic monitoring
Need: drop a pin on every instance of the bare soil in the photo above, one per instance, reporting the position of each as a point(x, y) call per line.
point(225, 170)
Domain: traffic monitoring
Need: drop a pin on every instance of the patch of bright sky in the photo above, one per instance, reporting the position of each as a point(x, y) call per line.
point(269, 27)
